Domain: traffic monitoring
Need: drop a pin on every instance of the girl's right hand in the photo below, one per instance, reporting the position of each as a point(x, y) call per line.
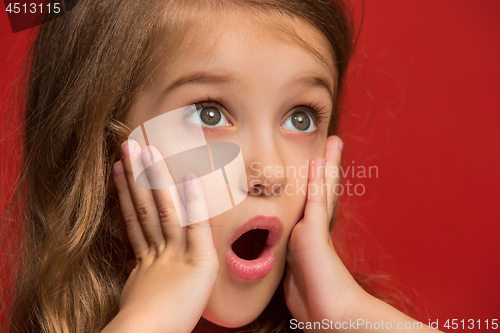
point(176, 267)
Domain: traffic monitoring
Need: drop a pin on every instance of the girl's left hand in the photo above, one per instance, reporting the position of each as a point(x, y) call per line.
point(317, 284)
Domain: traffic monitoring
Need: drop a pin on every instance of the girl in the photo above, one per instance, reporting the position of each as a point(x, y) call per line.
point(104, 254)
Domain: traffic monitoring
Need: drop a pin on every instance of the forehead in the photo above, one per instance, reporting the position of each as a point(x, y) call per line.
point(230, 37)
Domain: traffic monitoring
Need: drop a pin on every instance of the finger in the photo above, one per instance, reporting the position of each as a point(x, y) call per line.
point(198, 233)
point(133, 227)
point(158, 176)
point(144, 203)
point(315, 212)
point(333, 156)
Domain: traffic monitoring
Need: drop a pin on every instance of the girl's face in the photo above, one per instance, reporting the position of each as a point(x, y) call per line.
point(272, 97)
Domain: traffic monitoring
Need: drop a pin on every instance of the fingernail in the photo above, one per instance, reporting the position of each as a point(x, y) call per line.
point(146, 156)
point(341, 145)
point(118, 169)
point(187, 178)
point(127, 148)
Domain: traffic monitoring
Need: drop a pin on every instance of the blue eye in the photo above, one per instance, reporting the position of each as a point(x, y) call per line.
point(299, 121)
point(209, 116)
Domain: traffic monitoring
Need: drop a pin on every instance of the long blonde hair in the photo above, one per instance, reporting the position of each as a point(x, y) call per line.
point(84, 70)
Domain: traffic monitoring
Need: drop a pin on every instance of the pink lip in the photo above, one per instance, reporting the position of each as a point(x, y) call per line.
point(260, 267)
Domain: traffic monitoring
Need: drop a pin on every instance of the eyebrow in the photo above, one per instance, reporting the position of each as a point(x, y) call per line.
point(199, 77)
point(313, 81)
point(204, 77)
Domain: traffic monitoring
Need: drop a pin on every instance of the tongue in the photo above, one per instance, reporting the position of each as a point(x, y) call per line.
point(250, 245)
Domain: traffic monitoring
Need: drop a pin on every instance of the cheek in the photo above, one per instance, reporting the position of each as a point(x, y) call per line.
point(299, 148)
point(298, 154)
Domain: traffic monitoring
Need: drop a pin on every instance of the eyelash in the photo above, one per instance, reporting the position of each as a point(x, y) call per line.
point(317, 111)
point(209, 102)
point(313, 109)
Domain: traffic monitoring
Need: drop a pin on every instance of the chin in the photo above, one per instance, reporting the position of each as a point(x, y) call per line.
point(239, 303)
point(235, 302)
point(230, 322)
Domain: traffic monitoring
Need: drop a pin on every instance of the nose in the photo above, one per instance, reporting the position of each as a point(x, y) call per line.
point(266, 170)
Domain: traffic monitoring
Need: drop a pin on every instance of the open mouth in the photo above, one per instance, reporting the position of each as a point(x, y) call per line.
point(251, 254)
point(250, 245)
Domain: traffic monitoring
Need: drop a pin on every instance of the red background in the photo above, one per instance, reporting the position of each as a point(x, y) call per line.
point(423, 106)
